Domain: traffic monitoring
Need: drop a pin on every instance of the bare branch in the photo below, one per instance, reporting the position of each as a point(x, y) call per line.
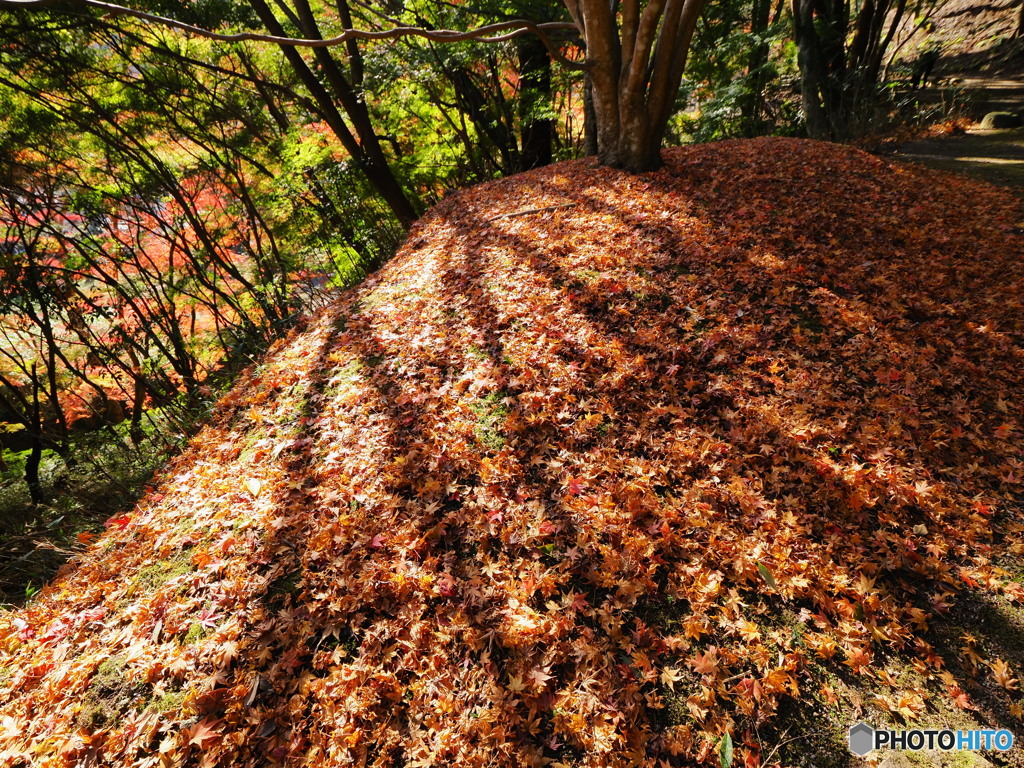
point(487, 34)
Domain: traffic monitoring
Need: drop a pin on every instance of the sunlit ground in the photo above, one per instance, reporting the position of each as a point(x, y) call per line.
point(725, 449)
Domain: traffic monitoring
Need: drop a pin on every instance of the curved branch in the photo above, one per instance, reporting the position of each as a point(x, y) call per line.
point(485, 34)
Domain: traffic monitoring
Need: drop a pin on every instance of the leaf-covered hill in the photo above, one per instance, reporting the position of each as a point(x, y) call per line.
point(592, 485)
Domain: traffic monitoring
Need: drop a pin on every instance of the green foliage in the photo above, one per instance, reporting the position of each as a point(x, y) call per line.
point(157, 574)
point(168, 701)
point(491, 412)
point(725, 750)
point(728, 91)
point(196, 632)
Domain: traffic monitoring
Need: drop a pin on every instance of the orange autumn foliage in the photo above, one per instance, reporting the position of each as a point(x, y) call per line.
point(543, 473)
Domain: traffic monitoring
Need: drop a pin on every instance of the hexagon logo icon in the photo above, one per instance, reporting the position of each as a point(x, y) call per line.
point(862, 739)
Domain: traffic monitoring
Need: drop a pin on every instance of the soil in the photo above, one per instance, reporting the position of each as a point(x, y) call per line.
point(993, 156)
point(981, 70)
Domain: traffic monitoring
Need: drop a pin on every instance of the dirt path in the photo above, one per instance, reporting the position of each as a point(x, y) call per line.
point(996, 156)
point(993, 156)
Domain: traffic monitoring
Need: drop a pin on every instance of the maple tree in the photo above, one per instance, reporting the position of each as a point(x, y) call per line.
point(635, 64)
point(635, 57)
point(142, 247)
point(545, 488)
point(334, 80)
point(841, 51)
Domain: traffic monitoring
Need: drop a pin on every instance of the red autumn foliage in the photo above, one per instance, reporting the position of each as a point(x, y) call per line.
point(543, 473)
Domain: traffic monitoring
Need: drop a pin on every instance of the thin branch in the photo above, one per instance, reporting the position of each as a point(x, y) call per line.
point(485, 34)
point(532, 210)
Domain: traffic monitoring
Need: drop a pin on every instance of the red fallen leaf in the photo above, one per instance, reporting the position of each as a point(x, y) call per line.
point(960, 699)
point(377, 541)
point(967, 579)
point(119, 521)
point(291, 660)
point(24, 629)
point(578, 602)
point(575, 486)
point(547, 527)
point(203, 732)
point(208, 618)
point(95, 614)
point(706, 663)
point(56, 631)
point(446, 585)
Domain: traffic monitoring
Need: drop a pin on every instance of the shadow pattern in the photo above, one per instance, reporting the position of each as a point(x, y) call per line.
point(593, 486)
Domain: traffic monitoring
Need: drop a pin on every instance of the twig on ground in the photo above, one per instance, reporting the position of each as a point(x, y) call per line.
point(531, 210)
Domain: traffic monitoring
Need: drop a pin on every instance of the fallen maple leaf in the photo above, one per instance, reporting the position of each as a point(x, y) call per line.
point(706, 663)
point(1003, 675)
point(670, 676)
point(960, 699)
point(208, 618)
point(119, 521)
point(516, 684)
point(203, 732)
point(538, 677)
point(858, 659)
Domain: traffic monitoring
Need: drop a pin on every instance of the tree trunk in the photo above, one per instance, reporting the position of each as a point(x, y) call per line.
point(637, 149)
point(635, 69)
point(812, 71)
point(135, 431)
point(534, 101)
point(35, 456)
point(753, 100)
point(589, 119)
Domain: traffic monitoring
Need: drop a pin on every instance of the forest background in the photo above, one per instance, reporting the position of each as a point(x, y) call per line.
point(171, 203)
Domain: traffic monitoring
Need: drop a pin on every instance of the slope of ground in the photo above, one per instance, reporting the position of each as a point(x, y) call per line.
point(995, 156)
point(731, 448)
point(980, 70)
point(975, 38)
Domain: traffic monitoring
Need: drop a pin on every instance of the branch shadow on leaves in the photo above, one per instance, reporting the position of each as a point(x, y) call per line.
point(438, 565)
point(973, 290)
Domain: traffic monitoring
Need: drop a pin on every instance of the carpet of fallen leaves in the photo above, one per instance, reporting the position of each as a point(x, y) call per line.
point(538, 491)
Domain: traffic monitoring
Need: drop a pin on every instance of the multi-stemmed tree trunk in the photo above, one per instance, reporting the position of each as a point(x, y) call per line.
point(840, 56)
point(635, 61)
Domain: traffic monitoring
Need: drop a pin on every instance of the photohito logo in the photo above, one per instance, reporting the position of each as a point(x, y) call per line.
point(863, 738)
